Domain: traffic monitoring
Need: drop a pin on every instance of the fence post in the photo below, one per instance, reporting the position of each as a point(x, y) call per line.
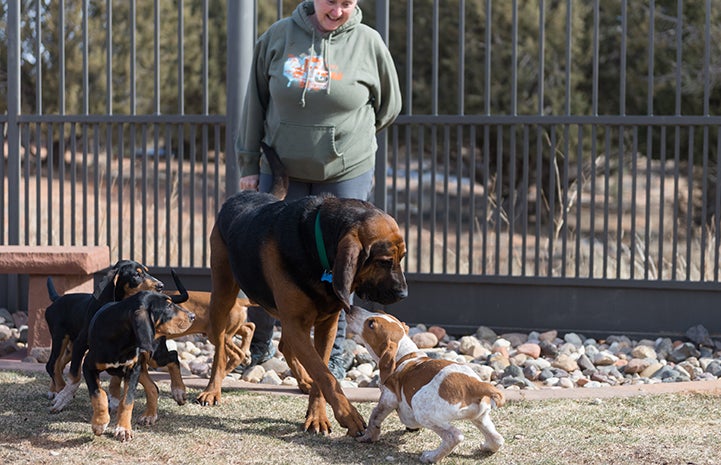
point(239, 50)
point(13, 139)
point(380, 199)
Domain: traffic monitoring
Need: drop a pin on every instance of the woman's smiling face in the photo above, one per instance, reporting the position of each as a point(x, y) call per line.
point(332, 14)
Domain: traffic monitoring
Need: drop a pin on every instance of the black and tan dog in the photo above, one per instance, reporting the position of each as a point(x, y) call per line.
point(121, 340)
point(301, 260)
point(198, 303)
point(68, 318)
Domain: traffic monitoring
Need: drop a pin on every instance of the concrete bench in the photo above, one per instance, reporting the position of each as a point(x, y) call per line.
point(71, 267)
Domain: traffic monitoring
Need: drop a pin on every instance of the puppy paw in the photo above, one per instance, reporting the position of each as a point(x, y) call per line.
point(123, 434)
point(429, 456)
point(99, 428)
point(147, 420)
point(180, 396)
point(367, 437)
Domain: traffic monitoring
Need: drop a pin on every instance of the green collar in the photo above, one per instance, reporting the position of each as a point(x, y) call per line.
point(320, 245)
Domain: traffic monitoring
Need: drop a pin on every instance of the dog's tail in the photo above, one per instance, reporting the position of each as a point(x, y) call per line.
point(488, 390)
point(52, 293)
point(280, 177)
point(183, 293)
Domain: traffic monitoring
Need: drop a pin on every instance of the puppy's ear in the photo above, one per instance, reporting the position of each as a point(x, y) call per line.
point(105, 291)
point(345, 267)
point(387, 361)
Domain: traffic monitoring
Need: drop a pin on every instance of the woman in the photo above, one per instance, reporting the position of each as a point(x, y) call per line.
point(322, 85)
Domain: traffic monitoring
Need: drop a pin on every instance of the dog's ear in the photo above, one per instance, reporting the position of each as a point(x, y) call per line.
point(105, 291)
point(345, 267)
point(387, 361)
point(144, 328)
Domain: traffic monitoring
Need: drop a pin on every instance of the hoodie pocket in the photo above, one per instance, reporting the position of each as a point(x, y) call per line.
point(308, 152)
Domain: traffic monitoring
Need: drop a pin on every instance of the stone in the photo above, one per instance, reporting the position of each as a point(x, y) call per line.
point(565, 362)
point(530, 349)
point(548, 349)
point(644, 351)
point(470, 345)
point(253, 374)
point(438, 331)
point(516, 339)
point(5, 333)
point(272, 378)
point(485, 333)
point(714, 368)
point(699, 335)
point(682, 352)
point(585, 364)
point(604, 358)
point(573, 338)
point(548, 336)
point(425, 340)
point(6, 319)
point(651, 370)
point(636, 365)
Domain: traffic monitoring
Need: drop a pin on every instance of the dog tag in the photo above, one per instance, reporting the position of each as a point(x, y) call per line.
point(327, 276)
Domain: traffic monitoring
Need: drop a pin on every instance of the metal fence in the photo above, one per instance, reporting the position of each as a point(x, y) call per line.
point(532, 191)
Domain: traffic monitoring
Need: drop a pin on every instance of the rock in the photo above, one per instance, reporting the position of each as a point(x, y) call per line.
point(484, 333)
point(6, 318)
point(548, 349)
point(651, 370)
point(548, 336)
point(636, 365)
point(644, 351)
point(5, 333)
point(425, 340)
point(714, 368)
point(604, 358)
point(699, 335)
point(253, 374)
point(438, 331)
point(585, 364)
point(272, 378)
point(470, 345)
point(573, 338)
point(530, 349)
point(682, 352)
point(565, 362)
point(516, 339)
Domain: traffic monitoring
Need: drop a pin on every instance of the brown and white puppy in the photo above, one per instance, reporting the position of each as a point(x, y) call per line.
point(428, 393)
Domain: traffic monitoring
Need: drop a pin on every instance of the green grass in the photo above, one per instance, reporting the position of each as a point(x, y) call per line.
point(253, 428)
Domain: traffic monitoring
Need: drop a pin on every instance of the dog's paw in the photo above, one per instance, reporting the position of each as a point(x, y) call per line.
point(367, 437)
point(147, 420)
point(208, 398)
point(99, 428)
point(429, 456)
point(123, 434)
point(180, 396)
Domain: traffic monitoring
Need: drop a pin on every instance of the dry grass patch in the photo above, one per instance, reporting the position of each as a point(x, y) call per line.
point(252, 428)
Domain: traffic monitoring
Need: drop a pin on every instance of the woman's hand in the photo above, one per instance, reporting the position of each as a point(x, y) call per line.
point(249, 183)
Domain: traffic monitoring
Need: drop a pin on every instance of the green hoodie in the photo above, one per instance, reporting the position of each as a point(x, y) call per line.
point(323, 128)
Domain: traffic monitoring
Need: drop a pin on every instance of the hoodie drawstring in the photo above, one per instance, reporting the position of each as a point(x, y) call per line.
point(308, 65)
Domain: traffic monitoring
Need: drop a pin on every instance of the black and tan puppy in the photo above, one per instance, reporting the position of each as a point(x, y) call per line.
point(121, 340)
point(301, 260)
point(68, 318)
point(198, 303)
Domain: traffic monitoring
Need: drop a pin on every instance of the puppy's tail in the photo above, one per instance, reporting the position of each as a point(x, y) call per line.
point(280, 177)
point(52, 293)
point(488, 390)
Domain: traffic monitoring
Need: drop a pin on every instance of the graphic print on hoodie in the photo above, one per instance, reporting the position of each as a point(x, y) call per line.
point(309, 72)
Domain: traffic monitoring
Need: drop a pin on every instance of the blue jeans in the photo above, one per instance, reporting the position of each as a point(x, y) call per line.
point(361, 188)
